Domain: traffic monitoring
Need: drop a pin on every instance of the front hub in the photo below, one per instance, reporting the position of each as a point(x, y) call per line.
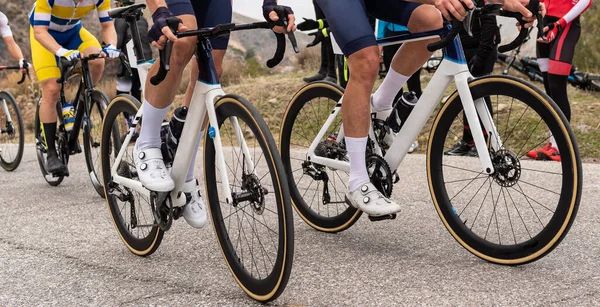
point(507, 166)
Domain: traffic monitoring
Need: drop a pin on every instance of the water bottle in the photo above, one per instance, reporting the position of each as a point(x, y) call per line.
point(401, 110)
point(68, 113)
point(171, 132)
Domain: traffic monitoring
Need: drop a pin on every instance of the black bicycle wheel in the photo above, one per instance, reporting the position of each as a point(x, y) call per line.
point(522, 211)
point(41, 149)
point(12, 133)
point(92, 134)
point(318, 192)
point(131, 211)
point(255, 229)
point(594, 82)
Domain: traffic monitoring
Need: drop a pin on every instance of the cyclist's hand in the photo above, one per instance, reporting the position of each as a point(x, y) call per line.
point(318, 38)
point(24, 65)
point(552, 30)
point(270, 15)
point(160, 32)
point(111, 51)
point(518, 6)
point(67, 54)
point(308, 24)
point(454, 9)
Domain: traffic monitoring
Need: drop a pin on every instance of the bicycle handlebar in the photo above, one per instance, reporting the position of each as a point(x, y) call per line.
point(533, 6)
point(492, 9)
point(65, 65)
point(221, 30)
point(23, 74)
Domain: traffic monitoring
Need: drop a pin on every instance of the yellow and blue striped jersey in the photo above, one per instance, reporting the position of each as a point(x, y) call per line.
point(64, 15)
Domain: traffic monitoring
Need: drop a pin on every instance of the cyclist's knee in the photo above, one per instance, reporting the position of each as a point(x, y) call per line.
point(364, 65)
point(425, 18)
point(183, 50)
point(50, 91)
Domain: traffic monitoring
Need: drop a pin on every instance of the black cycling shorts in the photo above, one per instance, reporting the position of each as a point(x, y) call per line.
point(209, 13)
point(349, 23)
point(561, 50)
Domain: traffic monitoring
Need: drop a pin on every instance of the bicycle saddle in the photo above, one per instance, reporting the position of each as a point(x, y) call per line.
point(127, 10)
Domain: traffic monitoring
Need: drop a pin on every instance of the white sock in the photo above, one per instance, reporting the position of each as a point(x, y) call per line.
point(383, 98)
point(190, 174)
point(152, 119)
point(358, 168)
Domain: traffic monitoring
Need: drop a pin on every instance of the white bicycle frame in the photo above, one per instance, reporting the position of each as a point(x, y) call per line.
point(449, 69)
point(203, 92)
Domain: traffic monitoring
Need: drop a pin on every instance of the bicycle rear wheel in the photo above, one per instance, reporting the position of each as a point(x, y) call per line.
point(318, 192)
point(12, 137)
point(255, 230)
point(130, 211)
point(92, 134)
point(41, 149)
point(524, 210)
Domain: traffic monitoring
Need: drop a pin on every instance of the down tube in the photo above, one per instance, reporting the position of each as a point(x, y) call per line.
point(189, 137)
point(420, 114)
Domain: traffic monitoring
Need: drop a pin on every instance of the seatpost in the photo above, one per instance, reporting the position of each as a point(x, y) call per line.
point(135, 36)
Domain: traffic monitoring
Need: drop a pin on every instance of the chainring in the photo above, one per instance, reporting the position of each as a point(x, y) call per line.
point(380, 173)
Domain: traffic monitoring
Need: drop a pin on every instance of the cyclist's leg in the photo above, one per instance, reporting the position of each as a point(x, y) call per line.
point(543, 54)
point(412, 55)
point(351, 28)
point(47, 72)
point(208, 14)
point(149, 164)
point(87, 44)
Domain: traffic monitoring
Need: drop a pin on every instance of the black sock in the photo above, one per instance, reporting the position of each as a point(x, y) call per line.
point(50, 136)
point(558, 87)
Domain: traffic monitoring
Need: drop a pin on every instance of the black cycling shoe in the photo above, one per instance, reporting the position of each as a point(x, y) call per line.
point(330, 79)
point(461, 148)
point(316, 77)
point(54, 166)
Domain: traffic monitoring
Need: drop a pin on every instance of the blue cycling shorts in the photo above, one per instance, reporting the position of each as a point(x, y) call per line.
point(209, 13)
point(348, 19)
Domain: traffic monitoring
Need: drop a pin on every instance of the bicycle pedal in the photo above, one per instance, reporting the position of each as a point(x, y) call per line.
point(382, 217)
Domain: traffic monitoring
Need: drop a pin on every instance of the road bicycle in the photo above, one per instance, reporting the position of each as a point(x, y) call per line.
point(246, 187)
point(89, 106)
point(12, 137)
point(492, 204)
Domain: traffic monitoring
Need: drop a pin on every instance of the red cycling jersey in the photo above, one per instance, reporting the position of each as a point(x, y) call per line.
point(566, 9)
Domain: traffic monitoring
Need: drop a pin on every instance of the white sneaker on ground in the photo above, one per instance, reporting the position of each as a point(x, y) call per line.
point(152, 171)
point(194, 211)
point(370, 201)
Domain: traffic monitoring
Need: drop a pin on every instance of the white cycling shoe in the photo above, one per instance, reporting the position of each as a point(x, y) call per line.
point(370, 201)
point(152, 171)
point(194, 211)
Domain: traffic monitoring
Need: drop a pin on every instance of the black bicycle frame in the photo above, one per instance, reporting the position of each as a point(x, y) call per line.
point(86, 87)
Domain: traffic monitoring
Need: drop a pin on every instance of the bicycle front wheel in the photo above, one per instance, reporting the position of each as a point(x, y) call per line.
point(131, 211)
point(12, 137)
point(522, 211)
point(255, 229)
point(92, 134)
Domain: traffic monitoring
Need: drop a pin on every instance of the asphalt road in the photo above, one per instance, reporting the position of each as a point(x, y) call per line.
point(58, 246)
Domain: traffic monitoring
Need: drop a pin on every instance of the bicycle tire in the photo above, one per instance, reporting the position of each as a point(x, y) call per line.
point(40, 148)
point(91, 141)
point(318, 218)
point(453, 210)
point(267, 285)
point(594, 81)
point(145, 242)
point(11, 103)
